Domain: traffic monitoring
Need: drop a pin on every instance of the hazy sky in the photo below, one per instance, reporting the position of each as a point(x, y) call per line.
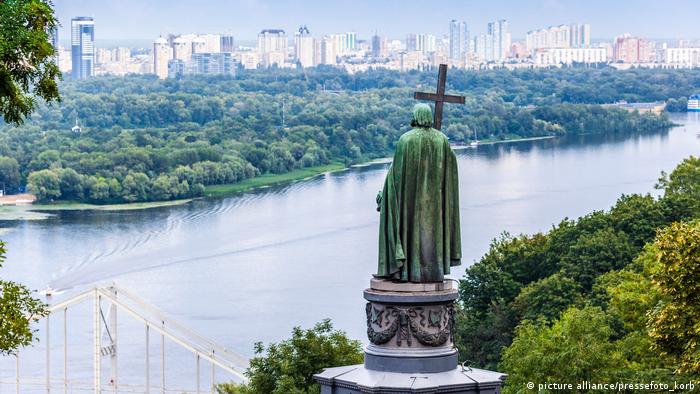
point(146, 19)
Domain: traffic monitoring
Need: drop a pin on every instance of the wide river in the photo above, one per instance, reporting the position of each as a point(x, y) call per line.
point(250, 267)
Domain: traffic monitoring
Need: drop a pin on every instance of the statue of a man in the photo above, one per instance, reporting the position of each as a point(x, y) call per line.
point(419, 236)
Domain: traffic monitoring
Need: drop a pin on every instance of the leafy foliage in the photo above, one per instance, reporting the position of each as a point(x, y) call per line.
point(18, 310)
point(675, 322)
point(547, 297)
point(27, 57)
point(177, 136)
point(575, 348)
point(599, 260)
point(289, 366)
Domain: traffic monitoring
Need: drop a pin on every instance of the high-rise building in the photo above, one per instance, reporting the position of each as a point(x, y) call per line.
point(557, 56)
point(580, 36)
point(162, 53)
point(498, 40)
point(226, 44)
point(212, 43)
point(176, 68)
point(83, 47)
point(272, 47)
point(272, 40)
point(344, 42)
point(182, 49)
point(686, 57)
point(249, 59)
point(350, 41)
point(466, 39)
point(420, 42)
point(412, 42)
point(329, 49)
point(207, 63)
point(304, 47)
point(562, 36)
point(121, 55)
point(459, 40)
point(629, 49)
point(480, 46)
point(378, 46)
point(199, 45)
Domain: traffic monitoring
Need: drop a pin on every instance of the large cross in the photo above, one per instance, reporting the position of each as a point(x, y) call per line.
point(440, 97)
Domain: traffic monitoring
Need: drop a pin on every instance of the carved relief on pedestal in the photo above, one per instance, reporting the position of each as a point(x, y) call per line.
point(430, 325)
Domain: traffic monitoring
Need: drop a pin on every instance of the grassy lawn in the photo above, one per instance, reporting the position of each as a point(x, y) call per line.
point(270, 179)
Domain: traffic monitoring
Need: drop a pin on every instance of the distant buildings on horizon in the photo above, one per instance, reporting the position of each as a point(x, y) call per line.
point(216, 54)
point(82, 47)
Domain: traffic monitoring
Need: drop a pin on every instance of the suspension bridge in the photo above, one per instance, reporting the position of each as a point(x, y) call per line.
point(106, 306)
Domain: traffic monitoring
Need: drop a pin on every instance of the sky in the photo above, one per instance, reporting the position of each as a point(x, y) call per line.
point(147, 19)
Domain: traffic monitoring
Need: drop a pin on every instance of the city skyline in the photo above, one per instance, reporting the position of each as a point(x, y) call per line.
point(244, 19)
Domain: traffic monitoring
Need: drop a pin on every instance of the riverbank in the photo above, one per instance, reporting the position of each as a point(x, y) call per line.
point(43, 211)
point(504, 141)
point(268, 180)
point(78, 206)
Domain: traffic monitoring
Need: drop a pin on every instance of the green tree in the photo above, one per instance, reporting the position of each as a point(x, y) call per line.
point(481, 337)
point(27, 57)
point(681, 190)
point(71, 184)
point(18, 310)
point(575, 348)
point(135, 187)
point(45, 184)
point(9, 173)
point(675, 322)
point(685, 178)
point(98, 189)
point(289, 366)
point(547, 298)
point(595, 254)
point(638, 216)
point(27, 71)
point(631, 299)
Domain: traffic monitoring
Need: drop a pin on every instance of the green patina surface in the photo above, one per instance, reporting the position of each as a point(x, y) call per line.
point(419, 233)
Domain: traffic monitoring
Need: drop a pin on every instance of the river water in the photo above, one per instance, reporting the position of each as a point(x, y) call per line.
point(250, 267)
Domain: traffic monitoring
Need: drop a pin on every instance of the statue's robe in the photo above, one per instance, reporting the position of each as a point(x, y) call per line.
point(419, 236)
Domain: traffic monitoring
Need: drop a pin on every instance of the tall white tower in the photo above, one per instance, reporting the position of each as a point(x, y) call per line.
point(161, 54)
point(304, 47)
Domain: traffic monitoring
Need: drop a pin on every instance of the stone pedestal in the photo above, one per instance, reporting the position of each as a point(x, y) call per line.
point(410, 327)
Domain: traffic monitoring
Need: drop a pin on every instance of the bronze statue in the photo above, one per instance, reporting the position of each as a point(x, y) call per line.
point(419, 235)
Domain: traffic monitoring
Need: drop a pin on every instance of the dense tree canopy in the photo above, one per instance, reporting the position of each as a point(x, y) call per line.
point(289, 366)
point(612, 295)
point(147, 139)
point(675, 323)
point(28, 68)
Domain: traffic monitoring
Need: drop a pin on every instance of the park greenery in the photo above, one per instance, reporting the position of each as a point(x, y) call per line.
point(289, 366)
point(27, 67)
point(144, 139)
point(18, 310)
point(27, 72)
point(609, 297)
point(613, 295)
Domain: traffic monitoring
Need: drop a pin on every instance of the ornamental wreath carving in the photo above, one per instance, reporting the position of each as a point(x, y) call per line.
point(431, 326)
